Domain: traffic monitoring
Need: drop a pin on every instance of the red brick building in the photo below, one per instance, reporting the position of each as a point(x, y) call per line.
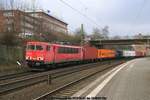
point(29, 23)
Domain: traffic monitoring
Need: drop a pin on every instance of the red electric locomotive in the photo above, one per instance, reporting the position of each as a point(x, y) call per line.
point(42, 53)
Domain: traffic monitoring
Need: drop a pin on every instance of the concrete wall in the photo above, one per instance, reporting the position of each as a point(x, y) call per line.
point(10, 54)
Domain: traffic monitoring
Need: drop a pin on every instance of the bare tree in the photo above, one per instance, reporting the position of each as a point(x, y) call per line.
point(100, 34)
point(127, 37)
point(79, 36)
point(105, 32)
point(139, 36)
point(117, 37)
point(96, 34)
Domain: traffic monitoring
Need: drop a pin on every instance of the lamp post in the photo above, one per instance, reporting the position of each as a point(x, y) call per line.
point(148, 46)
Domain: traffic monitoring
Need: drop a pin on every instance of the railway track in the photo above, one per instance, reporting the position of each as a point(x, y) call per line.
point(14, 75)
point(9, 85)
point(65, 90)
point(8, 76)
point(28, 80)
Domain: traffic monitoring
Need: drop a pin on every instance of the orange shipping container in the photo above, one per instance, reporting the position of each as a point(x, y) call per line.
point(106, 53)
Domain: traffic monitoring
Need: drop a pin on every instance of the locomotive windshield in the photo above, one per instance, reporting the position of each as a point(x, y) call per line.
point(34, 47)
point(30, 47)
point(38, 47)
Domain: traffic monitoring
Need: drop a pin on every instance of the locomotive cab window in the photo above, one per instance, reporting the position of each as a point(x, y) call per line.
point(30, 47)
point(39, 47)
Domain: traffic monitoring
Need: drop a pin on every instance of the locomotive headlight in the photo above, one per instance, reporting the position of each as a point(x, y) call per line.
point(40, 58)
point(27, 57)
point(33, 58)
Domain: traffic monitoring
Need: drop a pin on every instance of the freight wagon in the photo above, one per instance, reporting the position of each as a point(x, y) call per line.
point(129, 53)
point(106, 54)
point(89, 53)
point(140, 54)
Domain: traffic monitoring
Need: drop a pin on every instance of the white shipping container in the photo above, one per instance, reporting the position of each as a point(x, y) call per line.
point(129, 53)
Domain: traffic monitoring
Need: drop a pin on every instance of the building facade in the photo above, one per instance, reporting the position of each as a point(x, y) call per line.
point(18, 21)
point(29, 23)
point(50, 23)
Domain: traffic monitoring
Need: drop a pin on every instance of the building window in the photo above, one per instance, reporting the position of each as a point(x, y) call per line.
point(9, 28)
point(7, 14)
point(9, 21)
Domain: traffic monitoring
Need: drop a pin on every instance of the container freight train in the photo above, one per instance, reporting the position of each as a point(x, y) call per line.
point(41, 54)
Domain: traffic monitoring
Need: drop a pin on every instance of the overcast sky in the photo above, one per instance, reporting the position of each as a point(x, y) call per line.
point(124, 17)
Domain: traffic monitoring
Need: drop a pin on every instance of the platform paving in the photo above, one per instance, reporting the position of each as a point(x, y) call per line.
point(130, 81)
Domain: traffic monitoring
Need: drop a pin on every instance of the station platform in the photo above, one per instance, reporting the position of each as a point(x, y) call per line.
point(129, 81)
